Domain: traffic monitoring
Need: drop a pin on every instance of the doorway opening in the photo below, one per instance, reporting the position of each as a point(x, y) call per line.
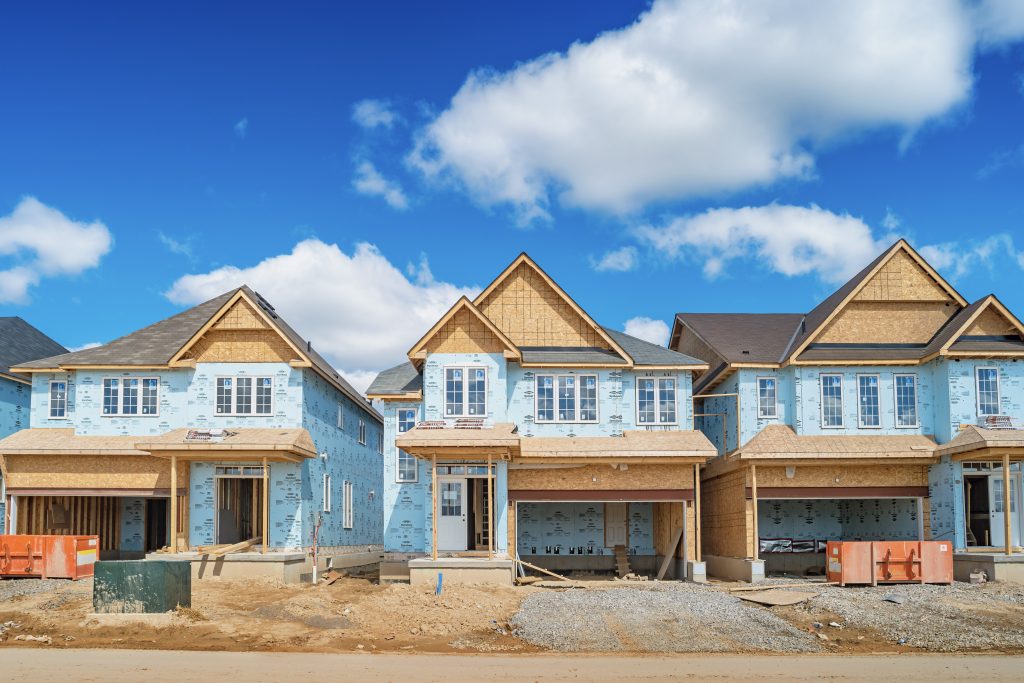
point(464, 508)
point(239, 502)
point(156, 524)
point(985, 502)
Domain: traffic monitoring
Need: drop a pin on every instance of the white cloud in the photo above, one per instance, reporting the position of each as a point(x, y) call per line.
point(374, 113)
point(998, 21)
point(87, 345)
point(369, 181)
point(358, 309)
point(698, 98)
point(175, 246)
point(654, 331)
point(242, 127)
point(957, 259)
point(619, 260)
point(792, 240)
point(46, 243)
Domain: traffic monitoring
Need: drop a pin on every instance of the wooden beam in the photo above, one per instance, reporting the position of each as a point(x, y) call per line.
point(696, 513)
point(433, 507)
point(237, 547)
point(541, 570)
point(753, 503)
point(1007, 525)
point(174, 503)
point(671, 549)
point(265, 538)
point(490, 513)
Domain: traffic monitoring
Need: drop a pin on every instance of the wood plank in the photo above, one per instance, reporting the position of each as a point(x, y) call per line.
point(237, 547)
point(670, 555)
point(542, 570)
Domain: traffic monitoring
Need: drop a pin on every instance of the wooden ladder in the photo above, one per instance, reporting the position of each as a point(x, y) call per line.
point(622, 561)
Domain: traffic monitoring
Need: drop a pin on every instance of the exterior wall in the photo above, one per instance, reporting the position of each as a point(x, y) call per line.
point(405, 504)
point(543, 526)
point(875, 519)
point(726, 516)
point(946, 493)
point(602, 478)
point(15, 399)
point(133, 525)
point(433, 383)
point(963, 396)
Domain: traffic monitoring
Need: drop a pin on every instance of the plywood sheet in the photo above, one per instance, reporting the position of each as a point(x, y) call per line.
point(465, 333)
point(842, 475)
point(602, 477)
point(991, 322)
point(131, 472)
point(887, 322)
point(902, 279)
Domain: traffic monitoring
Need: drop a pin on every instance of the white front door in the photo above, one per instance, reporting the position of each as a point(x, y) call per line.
point(616, 524)
point(997, 523)
point(452, 529)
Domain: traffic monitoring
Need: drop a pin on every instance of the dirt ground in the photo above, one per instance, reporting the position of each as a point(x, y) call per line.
point(358, 615)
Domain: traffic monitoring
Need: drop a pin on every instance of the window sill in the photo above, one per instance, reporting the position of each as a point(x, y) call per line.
point(116, 415)
point(566, 422)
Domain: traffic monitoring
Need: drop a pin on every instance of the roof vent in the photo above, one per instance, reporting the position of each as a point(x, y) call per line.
point(309, 346)
point(745, 352)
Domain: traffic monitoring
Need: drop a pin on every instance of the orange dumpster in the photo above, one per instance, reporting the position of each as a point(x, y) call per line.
point(48, 556)
point(875, 562)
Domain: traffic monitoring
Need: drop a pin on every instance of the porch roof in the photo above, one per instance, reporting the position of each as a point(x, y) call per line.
point(289, 444)
point(64, 441)
point(426, 439)
point(634, 446)
point(976, 442)
point(780, 442)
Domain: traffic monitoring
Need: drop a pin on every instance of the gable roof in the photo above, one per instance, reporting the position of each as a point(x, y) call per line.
point(21, 343)
point(781, 442)
point(951, 339)
point(646, 354)
point(524, 260)
point(419, 349)
point(157, 345)
point(400, 381)
point(744, 337)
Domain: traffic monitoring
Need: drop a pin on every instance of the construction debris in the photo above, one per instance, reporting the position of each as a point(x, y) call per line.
point(541, 570)
point(333, 575)
point(777, 598)
point(765, 587)
point(237, 547)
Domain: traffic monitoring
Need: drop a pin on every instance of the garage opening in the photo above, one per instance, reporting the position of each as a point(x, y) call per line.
point(72, 515)
point(793, 532)
point(239, 502)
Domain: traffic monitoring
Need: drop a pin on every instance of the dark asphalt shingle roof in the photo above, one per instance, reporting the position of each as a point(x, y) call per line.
point(21, 343)
point(570, 354)
point(645, 353)
point(400, 379)
point(745, 337)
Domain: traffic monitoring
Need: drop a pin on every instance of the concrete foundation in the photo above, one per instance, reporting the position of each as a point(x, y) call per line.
point(735, 568)
point(461, 570)
point(697, 572)
point(998, 567)
point(794, 563)
point(641, 564)
point(286, 567)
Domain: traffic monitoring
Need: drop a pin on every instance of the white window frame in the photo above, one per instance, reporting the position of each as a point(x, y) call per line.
point(347, 517)
point(120, 396)
point(896, 401)
point(657, 402)
point(576, 391)
point(775, 404)
point(362, 432)
point(49, 400)
point(842, 400)
point(878, 400)
point(977, 389)
point(234, 395)
point(465, 389)
point(380, 442)
point(326, 492)
point(398, 451)
point(339, 418)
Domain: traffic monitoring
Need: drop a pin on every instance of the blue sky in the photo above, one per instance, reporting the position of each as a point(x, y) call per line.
point(701, 159)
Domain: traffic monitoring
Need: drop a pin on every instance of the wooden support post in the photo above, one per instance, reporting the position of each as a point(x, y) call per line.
point(266, 505)
point(174, 504)
point(696, 513)
point(490, 513)
point(433, 506)
point(753, 504)
point(1007, 525)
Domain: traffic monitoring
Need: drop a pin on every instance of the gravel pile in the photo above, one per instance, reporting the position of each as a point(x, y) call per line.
point(660, 617)
point(13, 588)
point(938, 618)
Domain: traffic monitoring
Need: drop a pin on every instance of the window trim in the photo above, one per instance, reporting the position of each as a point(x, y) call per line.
point(821, 399)
point(326, 502)
point(234, 396)
point(399, 451)
point(380, 443)
point(579, 385)
point(878, 400)
point(775, 403)
point(977, 390)
point(657, 402)
point(347, 505)
point(896, 400)
point(339, 417)
point(362, 432)
point(49, 400)
point(120, 396)
point(465, 389)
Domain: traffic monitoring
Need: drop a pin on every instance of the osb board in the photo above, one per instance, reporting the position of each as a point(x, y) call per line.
point(86, 516)
point(241, 316)
point(847, 475)
point(881, 322)
point(902, 279)
point(465, 333)
point(92, 472)
point(692, 345)
point(531, 313)
point(602, 478)
point(511, 517)
point(991, 322)
point(668, 518)
point(241, 346)
point(691, 531)
point(726, 518)
point(926, 508)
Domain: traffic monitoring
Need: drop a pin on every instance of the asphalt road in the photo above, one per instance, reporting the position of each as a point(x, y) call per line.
point(159, 666)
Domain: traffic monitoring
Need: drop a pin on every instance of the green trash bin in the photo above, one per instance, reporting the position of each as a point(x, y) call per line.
point(141, 586)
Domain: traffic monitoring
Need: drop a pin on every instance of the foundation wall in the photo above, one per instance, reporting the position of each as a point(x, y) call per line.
point(553, 529)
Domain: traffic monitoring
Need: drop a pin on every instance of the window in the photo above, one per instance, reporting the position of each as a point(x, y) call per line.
point(346, 505)
point(406, 470)
point(867, 401)
point(131, 396)
point(362, 432)
point(58, 399)
point(988, 390)
point(566, 398)
point(767, 397)
point(339, 419)
point(465, 391)
point(239, 395)
point(380, 442)
point(831, 400)
point(906, 400)
point(655, 400)
point(327, 492)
